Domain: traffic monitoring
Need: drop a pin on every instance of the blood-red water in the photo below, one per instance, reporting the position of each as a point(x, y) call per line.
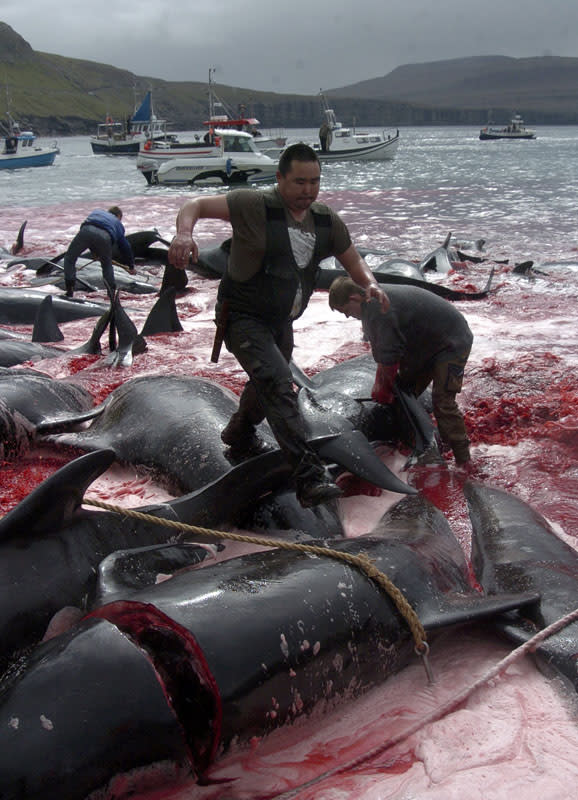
point(520, 401)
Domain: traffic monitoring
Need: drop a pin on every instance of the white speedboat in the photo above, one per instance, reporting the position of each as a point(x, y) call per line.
point(233, 160)
point(515, 130)
point(19, 149)
point(348, 144)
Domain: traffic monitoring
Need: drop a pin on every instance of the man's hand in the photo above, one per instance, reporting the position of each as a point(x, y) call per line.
point(180, 249)
point(382, 391)
point(374, 290)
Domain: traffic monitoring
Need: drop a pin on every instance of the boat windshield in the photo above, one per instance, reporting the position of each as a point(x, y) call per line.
point(238, 144)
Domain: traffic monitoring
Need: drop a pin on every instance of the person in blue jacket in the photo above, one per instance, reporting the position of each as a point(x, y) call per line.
point(98, 233)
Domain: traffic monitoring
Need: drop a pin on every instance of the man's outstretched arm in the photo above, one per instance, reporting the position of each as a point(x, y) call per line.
point(183, 244)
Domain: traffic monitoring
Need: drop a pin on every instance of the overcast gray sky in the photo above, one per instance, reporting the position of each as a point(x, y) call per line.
point(293, 46)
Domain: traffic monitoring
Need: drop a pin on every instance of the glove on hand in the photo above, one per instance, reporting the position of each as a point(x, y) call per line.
point(382, 391)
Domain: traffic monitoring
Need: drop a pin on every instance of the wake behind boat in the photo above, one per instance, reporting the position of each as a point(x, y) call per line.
point(515, 130)
point(346, 144)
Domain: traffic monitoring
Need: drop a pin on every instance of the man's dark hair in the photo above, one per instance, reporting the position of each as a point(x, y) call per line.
point(116, 211)
point(296, 152)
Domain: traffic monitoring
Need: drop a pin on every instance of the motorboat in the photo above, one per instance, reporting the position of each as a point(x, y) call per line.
point(222, 147)
point(338, 143)
point(152, 154)
point(20, 149)
point(235, 160)
point(123, 139)
point(515, 130)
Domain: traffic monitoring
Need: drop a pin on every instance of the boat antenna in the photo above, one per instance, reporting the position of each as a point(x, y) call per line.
point(211, 96)
point(214, 99)
point(7, 128)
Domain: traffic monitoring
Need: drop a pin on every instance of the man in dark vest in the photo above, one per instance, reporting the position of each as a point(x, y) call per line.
point(279, 238)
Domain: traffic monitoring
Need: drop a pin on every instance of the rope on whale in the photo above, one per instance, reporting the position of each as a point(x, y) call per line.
point(361, 561)
point(364, 563)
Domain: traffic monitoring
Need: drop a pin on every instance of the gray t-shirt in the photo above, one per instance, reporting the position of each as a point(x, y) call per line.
point(249, 223)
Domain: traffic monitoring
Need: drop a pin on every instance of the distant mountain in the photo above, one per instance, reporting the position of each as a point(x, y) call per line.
point(59, 96)
point(547, 85)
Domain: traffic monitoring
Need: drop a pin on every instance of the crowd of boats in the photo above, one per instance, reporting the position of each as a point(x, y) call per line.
point(231, 150)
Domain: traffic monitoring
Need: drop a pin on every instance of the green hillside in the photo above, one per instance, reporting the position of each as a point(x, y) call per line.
point(58, 95)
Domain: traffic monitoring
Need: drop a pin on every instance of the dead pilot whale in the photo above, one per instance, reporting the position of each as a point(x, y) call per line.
point(90, 278)
point(172, 425)
point(143, 690)
point(26, 398)
point(345, 388)
point(16, 350)
point(168, 424)
point(20, 306)
point(50, 546)
point(212, 263)
point(515, 549)
point(126, 341)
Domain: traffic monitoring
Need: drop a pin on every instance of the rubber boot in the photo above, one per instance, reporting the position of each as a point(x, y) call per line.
point(69, 288)
point(313, 484)
point(242, 439)
point(461, 451)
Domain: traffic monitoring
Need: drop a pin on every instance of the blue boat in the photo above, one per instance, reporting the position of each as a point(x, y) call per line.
point(20, 150)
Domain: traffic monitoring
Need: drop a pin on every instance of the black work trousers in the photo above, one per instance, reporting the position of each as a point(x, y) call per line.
point(264, 351)
point(98, 241)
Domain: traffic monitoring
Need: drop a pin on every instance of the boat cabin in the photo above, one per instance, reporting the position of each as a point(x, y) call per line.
point(111, 130)
point(236, 141)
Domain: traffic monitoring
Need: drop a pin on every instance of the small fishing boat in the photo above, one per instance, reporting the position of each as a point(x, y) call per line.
point(338, 143)
point(515, 130)
point(233, 160)
point(20, 149)
point(123, 139)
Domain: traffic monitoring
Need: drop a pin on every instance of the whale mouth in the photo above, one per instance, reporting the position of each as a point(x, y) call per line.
point(188, 684)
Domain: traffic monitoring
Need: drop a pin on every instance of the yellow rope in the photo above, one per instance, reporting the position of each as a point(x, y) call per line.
point(361, 561)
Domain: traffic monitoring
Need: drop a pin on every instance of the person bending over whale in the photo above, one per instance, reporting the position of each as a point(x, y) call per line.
point(279, 238)
point(424, 339)
point(98, 233)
